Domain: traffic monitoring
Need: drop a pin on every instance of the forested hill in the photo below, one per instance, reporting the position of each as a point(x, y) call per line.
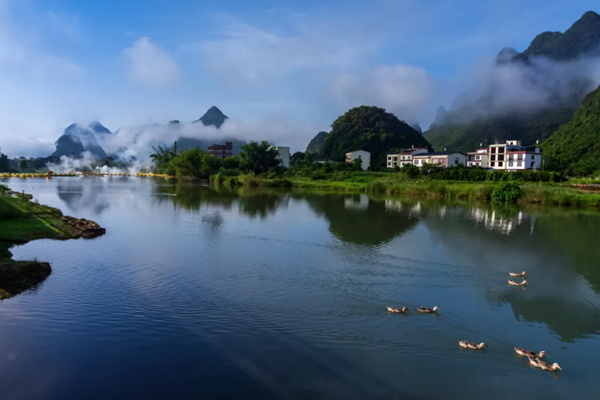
point(371, 129)
point(575, 147)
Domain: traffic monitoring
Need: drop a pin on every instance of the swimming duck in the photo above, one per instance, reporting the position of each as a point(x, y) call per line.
point(471, 345)
point(517, 273)
point(427, 310)
point(518, 284)
point(528, 353)
point(536, 362)
point(398, 310)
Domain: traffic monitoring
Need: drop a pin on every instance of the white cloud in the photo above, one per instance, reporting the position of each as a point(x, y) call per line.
point(402, 89)
point(23, 51)
point(150, 65)
point(256, 53)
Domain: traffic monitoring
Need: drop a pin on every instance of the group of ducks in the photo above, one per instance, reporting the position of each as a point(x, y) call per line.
point(535, 359)
point(518, 274)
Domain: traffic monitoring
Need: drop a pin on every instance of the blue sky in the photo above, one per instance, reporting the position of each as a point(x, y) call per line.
point(298, 63)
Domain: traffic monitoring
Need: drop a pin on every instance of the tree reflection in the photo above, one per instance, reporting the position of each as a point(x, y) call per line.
point(358, 219)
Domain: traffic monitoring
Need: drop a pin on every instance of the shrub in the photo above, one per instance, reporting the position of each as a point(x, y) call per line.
point(506, 192)
point(317, 175)
point(377, 187)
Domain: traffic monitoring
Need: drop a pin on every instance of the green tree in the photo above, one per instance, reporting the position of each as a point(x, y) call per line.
point(23, 164)
point(195, 164)
point(3, 163)
point(357, 164)
point(162, 158)
point(232, 162)
point(297, 156)
point(258, 158)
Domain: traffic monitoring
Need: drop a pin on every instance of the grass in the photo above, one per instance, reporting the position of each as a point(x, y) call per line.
point(22, 220)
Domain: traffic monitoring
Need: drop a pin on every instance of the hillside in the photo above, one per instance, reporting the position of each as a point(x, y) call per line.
point(371, 129)
point(575, 147)
point(315, 144)
point(539, 97)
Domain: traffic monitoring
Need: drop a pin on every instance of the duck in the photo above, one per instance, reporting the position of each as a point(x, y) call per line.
point(471, 345)
point(428, 310)
point(528, 353)
point(517, 273)
point(403, 310)
point(518, 284)
point(536, 362)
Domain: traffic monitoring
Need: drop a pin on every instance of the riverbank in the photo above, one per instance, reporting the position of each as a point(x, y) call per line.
point(531, 193)
point(23, 220)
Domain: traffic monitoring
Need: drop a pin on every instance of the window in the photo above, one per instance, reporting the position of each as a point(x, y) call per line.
point(532, 157)
point(500, 164)
point(493, 150)
point(456, 161)
point(500, 149)
point(493, 158)
point(532, 164)
point(389, 158)
point(493, 164)
point(520, 164)
point(510, 164)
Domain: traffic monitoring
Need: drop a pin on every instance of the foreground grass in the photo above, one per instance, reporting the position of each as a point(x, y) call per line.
point(21, 221)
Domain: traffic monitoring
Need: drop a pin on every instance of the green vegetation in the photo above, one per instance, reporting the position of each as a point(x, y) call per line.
point(506, 192)
point(21, 221)
point(371, 129)
point(582, 37)
point(314, 146)
point(195, 164)
point(4, 167)
point(458, 135)
point(575, 147)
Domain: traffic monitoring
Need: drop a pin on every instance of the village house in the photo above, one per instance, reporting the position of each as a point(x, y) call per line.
point(444, 159)
point(365, 156)
point(512, 156)
point(221, 150)
point(404, 157)
point(479, 158)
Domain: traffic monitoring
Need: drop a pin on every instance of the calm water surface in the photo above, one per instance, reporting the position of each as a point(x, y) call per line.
point(200, 294)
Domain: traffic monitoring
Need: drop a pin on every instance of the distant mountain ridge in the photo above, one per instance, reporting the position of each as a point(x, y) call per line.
point(213, 116)
point(315, 144)
point(490, 116)
point(77, 139)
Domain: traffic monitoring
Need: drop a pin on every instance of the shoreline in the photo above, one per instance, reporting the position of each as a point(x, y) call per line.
point(23, 220)
point(531, 193)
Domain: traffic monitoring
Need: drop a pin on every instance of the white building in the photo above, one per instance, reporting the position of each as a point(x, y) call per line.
point(512, 156)
point(284, 155)
point(404, 157)
point(479, 158)
point(365, 156)
point(443, 159)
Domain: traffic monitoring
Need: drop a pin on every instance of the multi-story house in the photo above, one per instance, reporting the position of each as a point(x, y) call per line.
point(404, 157)
point(512, 156)
point(221, 150)
point(445, 159)
point(479, 158)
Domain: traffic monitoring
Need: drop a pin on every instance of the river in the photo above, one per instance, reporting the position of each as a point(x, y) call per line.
point(217, 294)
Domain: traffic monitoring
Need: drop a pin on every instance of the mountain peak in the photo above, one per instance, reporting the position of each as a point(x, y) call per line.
point(213, 116)
point(97, 127)
point(583, 37)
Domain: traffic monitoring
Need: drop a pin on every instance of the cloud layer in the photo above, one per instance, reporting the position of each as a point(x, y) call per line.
point(150, 65)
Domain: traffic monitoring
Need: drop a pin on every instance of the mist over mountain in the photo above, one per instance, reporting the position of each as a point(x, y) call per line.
point(77, 138)
point(525, 96)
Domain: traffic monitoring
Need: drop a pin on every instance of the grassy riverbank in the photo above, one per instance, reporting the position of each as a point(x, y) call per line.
point(531, 193)
point(21, 221)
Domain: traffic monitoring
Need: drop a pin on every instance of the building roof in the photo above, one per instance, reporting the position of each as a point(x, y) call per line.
point(439, 153)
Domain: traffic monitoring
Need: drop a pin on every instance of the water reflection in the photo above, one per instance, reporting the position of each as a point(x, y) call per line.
point(360, 219)
point(72, 193)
